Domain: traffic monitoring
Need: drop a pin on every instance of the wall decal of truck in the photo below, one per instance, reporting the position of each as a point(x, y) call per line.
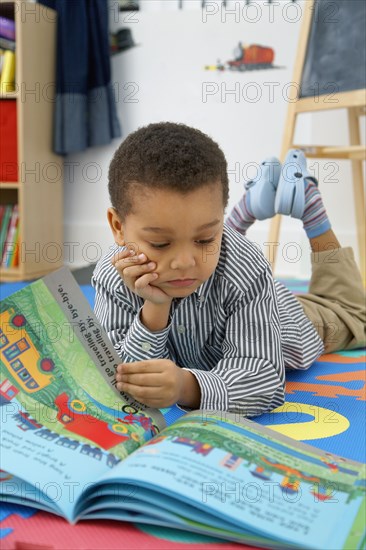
point(248, 58)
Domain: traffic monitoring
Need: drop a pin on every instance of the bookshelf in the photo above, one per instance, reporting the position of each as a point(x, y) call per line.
point(38, 189)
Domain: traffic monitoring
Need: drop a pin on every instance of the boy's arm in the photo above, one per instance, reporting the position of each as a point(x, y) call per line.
point(250, 377)
point(120, 315)
point(139, 334)
point(155, 316)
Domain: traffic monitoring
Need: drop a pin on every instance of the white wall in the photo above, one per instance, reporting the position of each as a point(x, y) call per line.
point(163, 78)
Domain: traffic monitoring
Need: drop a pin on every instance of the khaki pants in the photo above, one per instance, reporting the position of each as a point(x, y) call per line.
point(336, 301)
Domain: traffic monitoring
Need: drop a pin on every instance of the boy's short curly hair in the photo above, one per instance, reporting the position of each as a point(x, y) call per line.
point(165, 155)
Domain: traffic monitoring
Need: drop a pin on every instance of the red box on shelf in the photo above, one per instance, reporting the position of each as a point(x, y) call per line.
point(8, 141)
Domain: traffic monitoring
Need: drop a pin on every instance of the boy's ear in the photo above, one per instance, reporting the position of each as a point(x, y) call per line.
point(116, 225)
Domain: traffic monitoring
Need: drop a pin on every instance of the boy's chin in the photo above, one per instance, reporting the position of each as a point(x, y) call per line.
point(179, 292)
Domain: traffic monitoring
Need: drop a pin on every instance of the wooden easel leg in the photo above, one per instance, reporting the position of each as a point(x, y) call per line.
point(358, 187)
point(292, 110)
point(273, 240)
point(287, 142)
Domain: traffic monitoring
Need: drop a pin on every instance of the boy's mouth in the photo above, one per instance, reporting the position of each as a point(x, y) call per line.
point(181, 282)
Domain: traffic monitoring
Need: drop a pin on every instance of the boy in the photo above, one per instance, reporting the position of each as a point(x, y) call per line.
point(189, 303)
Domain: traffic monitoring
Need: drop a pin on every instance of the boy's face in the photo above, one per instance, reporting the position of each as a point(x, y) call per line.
point(181, 233)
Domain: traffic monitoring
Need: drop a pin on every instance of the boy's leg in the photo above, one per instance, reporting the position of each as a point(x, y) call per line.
point(241, 216)
point(257, 203)
point(335, 303)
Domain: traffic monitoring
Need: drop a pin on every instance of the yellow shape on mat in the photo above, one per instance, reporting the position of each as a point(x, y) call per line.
point(325, 422)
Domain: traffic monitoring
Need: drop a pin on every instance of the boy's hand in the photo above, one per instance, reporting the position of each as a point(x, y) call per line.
point(138, 274)
point(158, 383)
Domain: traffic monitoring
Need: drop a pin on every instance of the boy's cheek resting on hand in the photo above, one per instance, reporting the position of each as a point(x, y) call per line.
point(158, 383)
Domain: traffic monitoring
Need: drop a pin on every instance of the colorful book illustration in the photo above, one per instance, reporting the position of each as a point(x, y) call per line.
point(72, 445)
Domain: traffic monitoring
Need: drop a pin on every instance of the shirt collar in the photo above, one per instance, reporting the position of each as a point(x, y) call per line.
point(203, 291)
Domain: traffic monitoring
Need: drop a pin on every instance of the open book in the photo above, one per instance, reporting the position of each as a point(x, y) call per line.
point(75, 446)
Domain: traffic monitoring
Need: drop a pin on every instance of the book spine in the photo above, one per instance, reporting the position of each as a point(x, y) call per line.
point(9, 245)
point(7, 44)
point(14, 261)
point(7, 79)
point(4, 228)
point(8, 140)
point(7, 28)
point(2, 52)
point(2, 210)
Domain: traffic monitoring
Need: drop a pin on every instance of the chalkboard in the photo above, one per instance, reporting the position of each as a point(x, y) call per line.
point(335, 59)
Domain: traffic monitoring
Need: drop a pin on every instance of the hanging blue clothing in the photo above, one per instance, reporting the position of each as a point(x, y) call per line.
point(85, 108)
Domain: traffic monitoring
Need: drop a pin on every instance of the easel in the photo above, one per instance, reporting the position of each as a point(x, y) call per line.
point(355, 103)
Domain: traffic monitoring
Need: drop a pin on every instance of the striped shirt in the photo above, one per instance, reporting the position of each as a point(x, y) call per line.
point(236, 333)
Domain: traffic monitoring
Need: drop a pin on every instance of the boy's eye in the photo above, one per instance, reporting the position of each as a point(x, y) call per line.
point(158, 245)
point(205, 241)
point(201, 242)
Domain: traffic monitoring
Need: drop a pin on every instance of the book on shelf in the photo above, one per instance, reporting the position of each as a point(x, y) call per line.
point(73, 445)
point(11, 243)
point(2, 52)
point(7, 28)
point(7, 44)
point(14, 258)
point(7, 77)
point(8, 140)
point(6, 214)
point(2, 209)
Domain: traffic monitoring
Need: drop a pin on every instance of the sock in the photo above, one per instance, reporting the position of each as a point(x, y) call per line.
point(241, 217)
point(314, 218)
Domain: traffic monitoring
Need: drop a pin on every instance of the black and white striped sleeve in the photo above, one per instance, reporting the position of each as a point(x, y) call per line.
point(118, 311)
point(250, 378)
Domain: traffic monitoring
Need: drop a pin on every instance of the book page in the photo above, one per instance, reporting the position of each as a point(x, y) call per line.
point(61, 416)
point(43, 468)
point(84, 325)
point(251, 477)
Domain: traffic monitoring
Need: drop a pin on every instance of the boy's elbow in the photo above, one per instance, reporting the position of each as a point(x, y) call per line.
point(260, 404)
point(268, 407)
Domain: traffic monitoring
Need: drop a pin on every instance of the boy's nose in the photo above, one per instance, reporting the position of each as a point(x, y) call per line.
point(183, 260)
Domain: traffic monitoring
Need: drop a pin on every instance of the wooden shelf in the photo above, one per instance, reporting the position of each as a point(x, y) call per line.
point(9, 185)
point(9, 95)
point(11, 274)
point(16, 274)
point(40, 202)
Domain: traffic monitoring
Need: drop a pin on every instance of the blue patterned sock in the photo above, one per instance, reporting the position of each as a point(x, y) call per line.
point(241, 217)
point(314, 218)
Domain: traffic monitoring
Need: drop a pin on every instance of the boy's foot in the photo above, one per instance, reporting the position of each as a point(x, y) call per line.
point(261, 191)
point(298, 195)
point(258, 202)
point(290, 196)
